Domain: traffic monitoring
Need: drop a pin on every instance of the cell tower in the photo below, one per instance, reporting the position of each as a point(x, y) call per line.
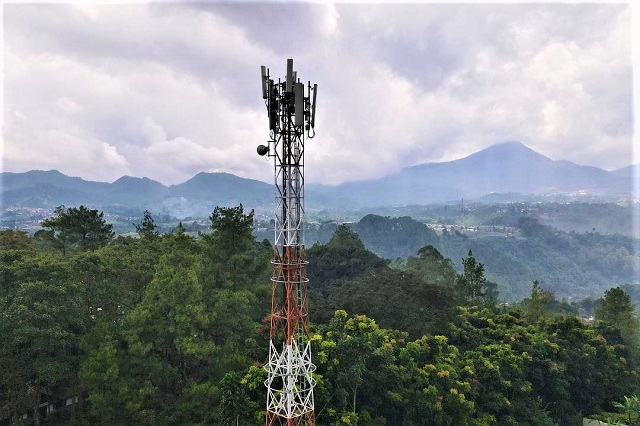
point(289, 367)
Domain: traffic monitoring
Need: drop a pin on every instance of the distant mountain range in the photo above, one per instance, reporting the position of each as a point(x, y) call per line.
point(196, 197)
point(500, 169)
point(509, 167)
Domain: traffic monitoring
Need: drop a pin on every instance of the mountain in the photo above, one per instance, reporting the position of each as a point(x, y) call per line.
point(504, 171)
point(51, 188)
point(629, 171)
point(133, 191)
point(224, 187)
point(196, 197)
point(11, 181)
point(509, 167)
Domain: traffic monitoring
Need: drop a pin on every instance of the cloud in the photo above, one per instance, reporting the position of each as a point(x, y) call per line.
point(67, 105)
point(514, 72)
point(76, 156)
point(170, 90)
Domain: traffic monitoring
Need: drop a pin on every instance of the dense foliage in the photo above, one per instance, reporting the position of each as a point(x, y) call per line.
point(569, 264)
point(170, 329)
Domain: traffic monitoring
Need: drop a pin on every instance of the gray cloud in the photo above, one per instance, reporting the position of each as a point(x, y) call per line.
point(169, 90)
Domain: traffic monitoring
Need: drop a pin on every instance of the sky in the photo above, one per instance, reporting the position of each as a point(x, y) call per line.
point(168, 90)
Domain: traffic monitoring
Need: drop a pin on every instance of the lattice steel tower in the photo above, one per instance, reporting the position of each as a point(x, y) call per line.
point(289, 367)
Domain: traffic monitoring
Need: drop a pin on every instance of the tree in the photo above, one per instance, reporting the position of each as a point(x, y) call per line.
point(114, 277)
point(232, 229)
point(343, 257)
point(101, 375)
point(631, 408)
point(165, 357)
point(432, 267)
point(129, 264)
point(535, 305)
point(148, 228)
point(355, 356)
point(331, 265)
point(471, 283)
point(40, 330)
point(236, 403)
point(617, 310)
point(15, 240)
point(14, 246)
point(235, 269)
point(164, 361)
point(526, 373)
point(79, 227)
point(396, 299)
point(235, 273)
point(531, 227)
point(594, 371)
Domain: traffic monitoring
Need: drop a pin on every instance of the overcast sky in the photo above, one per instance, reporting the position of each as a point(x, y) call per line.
point(170, 90)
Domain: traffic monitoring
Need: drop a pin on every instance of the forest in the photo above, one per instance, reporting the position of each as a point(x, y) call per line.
point(171, 328)
point(570, 264)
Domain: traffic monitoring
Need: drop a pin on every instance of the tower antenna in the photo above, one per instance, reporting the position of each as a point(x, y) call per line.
point(289, 367)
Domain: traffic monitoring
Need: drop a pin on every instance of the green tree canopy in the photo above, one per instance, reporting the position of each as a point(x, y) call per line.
point(432, 267)
point(397, 299)
point(232, 229)
point(392, 237)
point(343, 257)
point(536, 304)
point(331, 265)
point(147, 228)
point(79, 227)
point(471, 283)
point(617, 310)
point(40, 327)
point(15, 240)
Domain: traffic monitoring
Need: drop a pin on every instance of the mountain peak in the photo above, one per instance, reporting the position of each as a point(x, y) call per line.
point(210, 175)
point(52, 172)
point(511, 146)
point(131, 180)
point(125, 179)
point(507, 151)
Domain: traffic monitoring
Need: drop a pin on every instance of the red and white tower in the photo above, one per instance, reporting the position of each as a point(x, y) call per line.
point(291, 111)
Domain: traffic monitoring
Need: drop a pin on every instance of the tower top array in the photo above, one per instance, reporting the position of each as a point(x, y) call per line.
point(286, 99)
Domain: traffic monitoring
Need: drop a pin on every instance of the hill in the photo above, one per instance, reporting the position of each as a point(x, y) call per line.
point(569, 264)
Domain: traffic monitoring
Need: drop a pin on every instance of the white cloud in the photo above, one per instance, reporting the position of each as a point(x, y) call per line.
point(169, 90)
point(67, 105)
point(330, 21)
point(153, 132)
point(70, 154)
point(175, 159)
